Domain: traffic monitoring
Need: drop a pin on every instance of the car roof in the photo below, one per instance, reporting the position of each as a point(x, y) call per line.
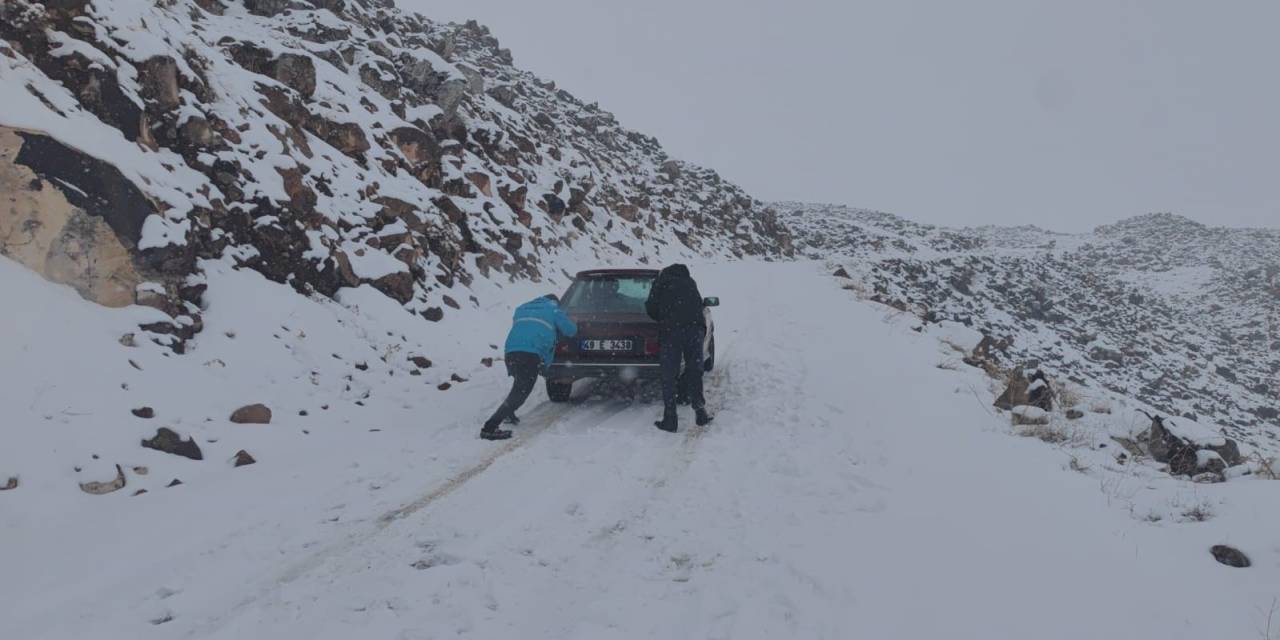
point(599, 273)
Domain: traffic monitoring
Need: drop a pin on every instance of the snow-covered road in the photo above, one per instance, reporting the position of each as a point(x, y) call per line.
point(849, 488)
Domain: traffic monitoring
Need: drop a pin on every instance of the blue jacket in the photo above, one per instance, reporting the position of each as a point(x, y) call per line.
point(535, 326)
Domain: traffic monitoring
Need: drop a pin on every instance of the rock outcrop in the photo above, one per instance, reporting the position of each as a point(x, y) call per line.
point(1189, 450)
point(346, 143)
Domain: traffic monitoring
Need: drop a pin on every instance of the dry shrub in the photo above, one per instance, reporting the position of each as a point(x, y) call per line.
point(1266, 467)
point(1198, 513)
point(1050, 433)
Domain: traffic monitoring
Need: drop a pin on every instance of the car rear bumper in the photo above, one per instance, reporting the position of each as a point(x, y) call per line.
point(564, 371)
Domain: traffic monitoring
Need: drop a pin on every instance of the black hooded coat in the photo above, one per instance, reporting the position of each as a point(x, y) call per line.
point(674, 301)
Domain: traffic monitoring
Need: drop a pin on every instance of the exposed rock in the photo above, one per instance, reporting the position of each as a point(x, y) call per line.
point(10, 485)
point(158, 76)
point(1230, 556)
point(346, 137)
point(252, 414)
point(101, 488)
point(1074, 414)
point(197, 133)
point(243, 459)
point(146, 413)
point(481, 182)
point(1184, 456)
point(1033, 390)
point(842, 273)
point(79, 235)
point(420, 362)
point(168, 441)
point(173, 483)
point(266, 7)
point(297, 72)
point(398, 285)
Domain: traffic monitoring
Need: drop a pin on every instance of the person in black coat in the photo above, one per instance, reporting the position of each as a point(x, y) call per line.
point(676, 304)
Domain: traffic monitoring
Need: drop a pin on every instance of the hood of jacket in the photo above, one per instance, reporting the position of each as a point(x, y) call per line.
point(674, 271)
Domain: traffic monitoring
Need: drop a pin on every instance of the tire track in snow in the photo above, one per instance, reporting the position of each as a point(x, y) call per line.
point(545, 416)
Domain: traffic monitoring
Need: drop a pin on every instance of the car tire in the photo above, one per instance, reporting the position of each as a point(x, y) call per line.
point(559, 391)
point(709, 362)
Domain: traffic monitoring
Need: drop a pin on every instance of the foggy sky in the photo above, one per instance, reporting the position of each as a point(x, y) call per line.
point(1061, 114)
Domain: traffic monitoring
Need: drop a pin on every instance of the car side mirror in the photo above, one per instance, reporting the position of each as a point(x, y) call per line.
point(711, 302)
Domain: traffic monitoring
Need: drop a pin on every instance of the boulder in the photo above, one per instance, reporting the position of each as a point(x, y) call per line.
point(242, 459)
point(481, 182)
point(346, 137)
point(252, 414)
point(296, 71)
point(398, 286)
point(415, 144)
point(420, 362)
point(168, 441)
point(101, 488)
point(1187, 451)
point(1230, 556)
point(146, 413)
point(158, 76)
point(197, 133)
point(10, 485)
point(505, 95)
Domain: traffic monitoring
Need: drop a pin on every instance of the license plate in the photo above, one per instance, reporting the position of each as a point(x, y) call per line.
point(606, 345)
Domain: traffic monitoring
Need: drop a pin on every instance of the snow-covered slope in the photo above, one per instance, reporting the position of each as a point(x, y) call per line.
point(326, 144)
point(1182, 316)
point(848, 488)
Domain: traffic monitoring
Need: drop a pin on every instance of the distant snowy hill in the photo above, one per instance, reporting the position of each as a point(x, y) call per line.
point(325, 144)
point(1177, 314)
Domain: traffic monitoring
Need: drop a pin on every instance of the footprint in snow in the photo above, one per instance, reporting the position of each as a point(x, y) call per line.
point(436, 560)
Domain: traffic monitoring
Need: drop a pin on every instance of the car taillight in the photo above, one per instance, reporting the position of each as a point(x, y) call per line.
point(650, 347)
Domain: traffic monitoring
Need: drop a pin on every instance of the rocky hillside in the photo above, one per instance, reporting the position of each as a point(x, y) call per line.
point(326, 144)
point(1179, 315)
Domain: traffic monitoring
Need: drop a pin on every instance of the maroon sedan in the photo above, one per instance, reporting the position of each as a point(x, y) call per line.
point(616, 338)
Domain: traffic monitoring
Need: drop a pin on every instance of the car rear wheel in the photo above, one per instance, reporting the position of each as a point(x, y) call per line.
point(559, 391)
point(709, 362)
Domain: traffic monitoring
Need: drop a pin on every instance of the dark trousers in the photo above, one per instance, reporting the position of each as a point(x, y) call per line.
point(523, 368)
point(677, 345)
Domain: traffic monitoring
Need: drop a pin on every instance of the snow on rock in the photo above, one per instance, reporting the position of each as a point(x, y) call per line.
point(1178, 315)
point(328, 146)
point(1029, 415)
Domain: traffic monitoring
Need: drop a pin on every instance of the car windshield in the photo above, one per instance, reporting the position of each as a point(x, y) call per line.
point(609, 294)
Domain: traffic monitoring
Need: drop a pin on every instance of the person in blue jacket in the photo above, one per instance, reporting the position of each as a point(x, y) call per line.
point(531, 346)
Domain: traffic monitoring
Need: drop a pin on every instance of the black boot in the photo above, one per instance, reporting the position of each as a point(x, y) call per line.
point(703, 418)
point(494, 433)
point(668, 421)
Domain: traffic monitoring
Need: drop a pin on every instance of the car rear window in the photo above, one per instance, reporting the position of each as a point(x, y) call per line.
point(609, 294)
